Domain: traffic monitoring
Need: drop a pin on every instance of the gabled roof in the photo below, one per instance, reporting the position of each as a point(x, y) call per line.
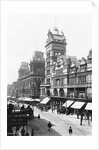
point(73, 64)
point(83, 61)
point(56, 34)
point(74, 61)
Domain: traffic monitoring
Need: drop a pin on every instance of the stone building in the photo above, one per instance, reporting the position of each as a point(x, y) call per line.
point(37, 73)
point(9, 89)
point(66, 77)
point(55, 45)
point(30, 76)
point(89, 75)
point(23, 70)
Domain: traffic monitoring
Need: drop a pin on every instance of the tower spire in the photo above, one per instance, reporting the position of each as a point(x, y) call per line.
point(55, 22)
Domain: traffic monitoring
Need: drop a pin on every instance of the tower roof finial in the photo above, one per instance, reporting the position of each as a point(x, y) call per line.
point(55, 21)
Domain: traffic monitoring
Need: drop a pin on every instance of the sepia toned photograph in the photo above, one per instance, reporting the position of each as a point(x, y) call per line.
point(49, 91)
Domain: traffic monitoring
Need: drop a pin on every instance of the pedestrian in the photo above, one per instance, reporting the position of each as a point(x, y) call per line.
point(70, 131)
point(23, 132)
point(88, 119)
point(17, 128)
point(81, 119)
point(57, 111)
point(49, 125)
point(16, 133)
point(27, 133)
point(77, 114)
point(32, 132)
point(39, 116)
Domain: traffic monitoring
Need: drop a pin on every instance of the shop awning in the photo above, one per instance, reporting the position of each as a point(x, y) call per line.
point(27, 99)
point(21, 98)
point(13, 97)
point(89, 106)
point(67, 103)
point(37, 100)
point(77, 105)
point(45, 100)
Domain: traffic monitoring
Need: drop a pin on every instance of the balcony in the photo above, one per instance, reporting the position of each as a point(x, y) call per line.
point(58, 86)
point(45, 85)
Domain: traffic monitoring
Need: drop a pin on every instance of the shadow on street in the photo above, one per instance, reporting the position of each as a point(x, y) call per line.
point(40, 127)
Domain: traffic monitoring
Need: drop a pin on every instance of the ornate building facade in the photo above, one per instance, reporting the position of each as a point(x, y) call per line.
point(55, 45)
point(30, 76)
point(66, 77)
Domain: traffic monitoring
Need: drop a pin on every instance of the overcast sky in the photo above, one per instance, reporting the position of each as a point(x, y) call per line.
point(28, 33)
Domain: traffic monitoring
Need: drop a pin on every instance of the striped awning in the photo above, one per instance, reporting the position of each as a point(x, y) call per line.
point(77, 105)
point(21, 98)
point(45, 100)
point(67, 103)
point(89, 106)
point(37, 100)
point(27, 99)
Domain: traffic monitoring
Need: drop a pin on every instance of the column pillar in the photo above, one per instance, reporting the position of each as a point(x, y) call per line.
point(86, 92)
point(41, 91)
point(75, 92)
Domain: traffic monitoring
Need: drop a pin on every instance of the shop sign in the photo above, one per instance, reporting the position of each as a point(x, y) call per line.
point(15, 119)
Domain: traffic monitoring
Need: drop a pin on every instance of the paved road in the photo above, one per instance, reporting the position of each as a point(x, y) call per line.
point(62, 123)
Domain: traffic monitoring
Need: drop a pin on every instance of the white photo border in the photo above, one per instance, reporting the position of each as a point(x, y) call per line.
point(86, 142)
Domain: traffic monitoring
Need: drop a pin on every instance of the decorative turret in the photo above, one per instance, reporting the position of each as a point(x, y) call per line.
point(89, 57)
point(23, 70)
point(55, 36)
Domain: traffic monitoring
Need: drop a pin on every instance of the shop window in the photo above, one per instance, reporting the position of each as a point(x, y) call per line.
point(55, 92)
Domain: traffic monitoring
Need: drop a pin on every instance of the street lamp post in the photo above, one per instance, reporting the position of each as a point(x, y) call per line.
point(66, 107)
point(23, 90)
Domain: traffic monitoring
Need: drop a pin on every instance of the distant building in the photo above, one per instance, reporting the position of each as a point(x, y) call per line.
point(9, 89)
point(37, 73)
point(30, 77)
point(24, 70)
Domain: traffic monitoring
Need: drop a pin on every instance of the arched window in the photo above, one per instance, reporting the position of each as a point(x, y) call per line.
point(48, 92)
point(55, 92)
point(61, 92)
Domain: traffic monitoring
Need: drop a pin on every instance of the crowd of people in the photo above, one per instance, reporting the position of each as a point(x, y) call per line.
point(21, 132)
